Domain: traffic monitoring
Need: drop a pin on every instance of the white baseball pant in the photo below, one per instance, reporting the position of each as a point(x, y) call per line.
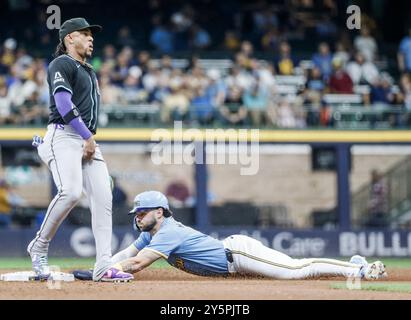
point(62, 151)
point(252, 257)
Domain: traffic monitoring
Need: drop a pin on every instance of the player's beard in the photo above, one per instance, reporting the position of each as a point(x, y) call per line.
point(149, 226)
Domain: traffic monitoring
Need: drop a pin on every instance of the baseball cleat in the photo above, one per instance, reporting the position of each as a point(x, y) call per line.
point(40, 266)
point(115, 275)
point(375, 270)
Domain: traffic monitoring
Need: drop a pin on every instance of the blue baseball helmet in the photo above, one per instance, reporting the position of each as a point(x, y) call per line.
point(150, 200)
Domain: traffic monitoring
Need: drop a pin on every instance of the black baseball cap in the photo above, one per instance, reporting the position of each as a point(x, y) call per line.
point(77, 24)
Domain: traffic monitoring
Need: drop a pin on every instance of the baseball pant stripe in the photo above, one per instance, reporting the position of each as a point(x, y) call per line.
point(301, 266)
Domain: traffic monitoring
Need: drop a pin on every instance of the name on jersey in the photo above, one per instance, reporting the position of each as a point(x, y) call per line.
point(58, 77)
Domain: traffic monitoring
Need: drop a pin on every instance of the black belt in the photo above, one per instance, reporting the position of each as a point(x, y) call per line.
point(229, 255)
point(92, 131)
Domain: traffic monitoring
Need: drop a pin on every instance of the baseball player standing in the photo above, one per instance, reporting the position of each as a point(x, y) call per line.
point(195, 252)
point(70, 152)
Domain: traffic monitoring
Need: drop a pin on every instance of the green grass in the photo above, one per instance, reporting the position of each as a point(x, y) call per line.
point(63, 263)
point(403, 287)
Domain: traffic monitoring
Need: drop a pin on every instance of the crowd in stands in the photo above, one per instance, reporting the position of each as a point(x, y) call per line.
point(281, 90)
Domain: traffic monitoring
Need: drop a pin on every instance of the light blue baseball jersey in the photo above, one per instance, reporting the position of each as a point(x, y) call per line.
point(186, 249)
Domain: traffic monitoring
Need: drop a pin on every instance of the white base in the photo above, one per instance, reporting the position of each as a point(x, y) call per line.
point(31, 276)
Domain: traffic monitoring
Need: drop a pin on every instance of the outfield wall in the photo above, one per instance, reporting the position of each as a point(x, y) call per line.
point(79, 242)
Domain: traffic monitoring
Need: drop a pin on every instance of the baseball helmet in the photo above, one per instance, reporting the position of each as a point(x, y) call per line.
point(151, 200)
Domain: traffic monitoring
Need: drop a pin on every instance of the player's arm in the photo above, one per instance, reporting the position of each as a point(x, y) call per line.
point(125, 254)
point(143, 259)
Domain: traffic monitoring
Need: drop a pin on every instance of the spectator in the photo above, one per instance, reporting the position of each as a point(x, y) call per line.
point(124, 38)
point(270, 40)
point(340, 81)
point(378, 201)
point(175, 105)
point(283, 115)
point(4, 101)
point(233, 112)
point(264, 19)
point(202, 110)
point(216, 89)
point(362, 71)
point(7, 55)
point(247, 49)
point(178, 194)
point(341, 53)
point(366, 44)
point(315, 87)
point(9, 201)
point(256, 102)
point(405, 87)
point(110, 94)
point(109, 57)
point(31, 112)
point(381, 91)
point(21, 90)
point(120, 71)
point(182, 21)
point(133, 92)
point(404, 53)
point(5, 206)
point(326, 28)
point(285, 63)
point(239, 77)
point(231, 41)
point(109, 54)
point(199, 38)
point(323, 60)
point(161, 37)
point(143, 61)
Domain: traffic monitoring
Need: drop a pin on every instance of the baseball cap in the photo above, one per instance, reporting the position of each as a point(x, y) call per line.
point(149, 200)
point(77, 24)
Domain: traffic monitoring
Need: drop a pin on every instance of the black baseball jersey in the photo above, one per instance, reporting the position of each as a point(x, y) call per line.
point(66, 73)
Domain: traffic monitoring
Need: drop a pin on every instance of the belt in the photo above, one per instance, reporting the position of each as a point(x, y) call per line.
point(229, 255)
point(63, 126)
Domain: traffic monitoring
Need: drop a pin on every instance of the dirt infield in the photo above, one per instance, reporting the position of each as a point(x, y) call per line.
point(167, 284)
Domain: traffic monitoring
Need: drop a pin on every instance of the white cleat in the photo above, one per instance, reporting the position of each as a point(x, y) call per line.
point(375, 270)
point(40, 266)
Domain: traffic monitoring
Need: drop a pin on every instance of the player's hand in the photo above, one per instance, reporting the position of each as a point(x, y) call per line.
point(89, 148)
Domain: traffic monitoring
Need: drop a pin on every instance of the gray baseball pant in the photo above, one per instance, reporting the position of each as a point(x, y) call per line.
point(62, 151)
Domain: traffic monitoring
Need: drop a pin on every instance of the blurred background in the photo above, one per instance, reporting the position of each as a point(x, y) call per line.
point(334, 106)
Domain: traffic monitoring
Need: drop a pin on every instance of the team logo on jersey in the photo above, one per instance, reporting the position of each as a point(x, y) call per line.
point(58, 77)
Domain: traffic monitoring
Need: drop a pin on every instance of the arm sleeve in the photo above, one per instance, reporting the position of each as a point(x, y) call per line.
point(64, 105)
point(61, 76)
